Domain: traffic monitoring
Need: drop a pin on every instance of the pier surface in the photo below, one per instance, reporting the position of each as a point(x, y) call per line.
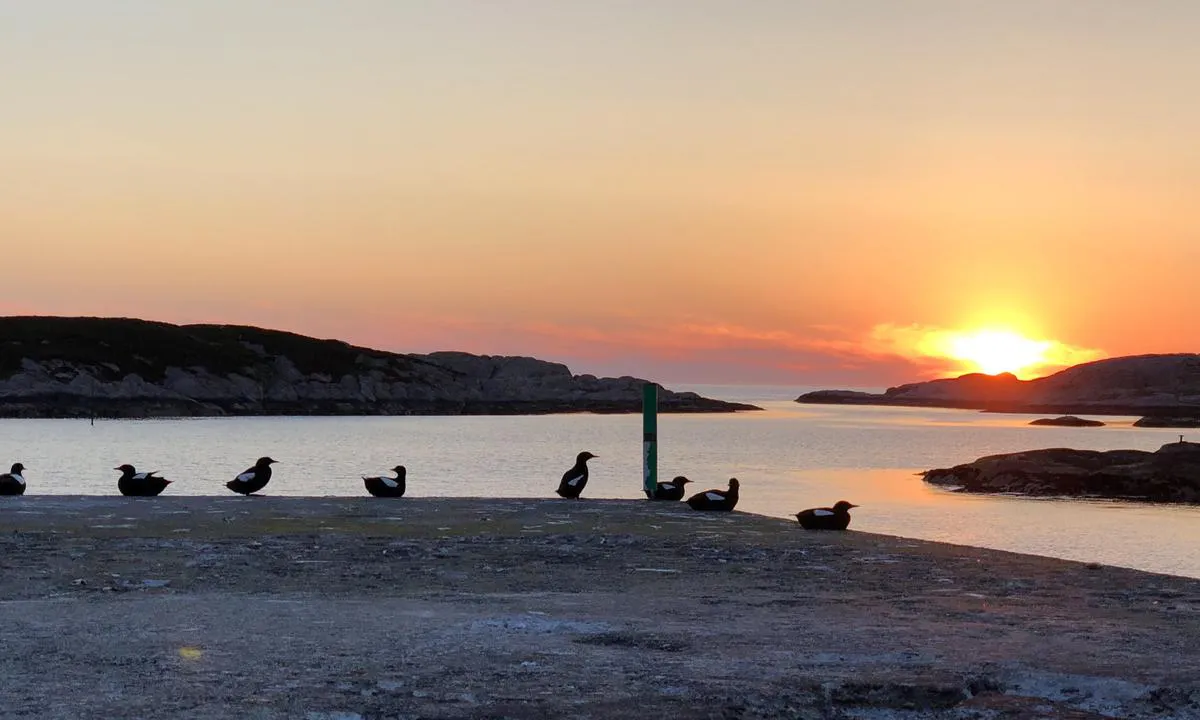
point(343, 608)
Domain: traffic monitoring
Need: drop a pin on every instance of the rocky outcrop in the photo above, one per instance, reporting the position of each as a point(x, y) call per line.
point(116, 367)
point(1154, 421)
point(840, 397)
point(1067, 421)
point(1170, 474)
point(1159, 385)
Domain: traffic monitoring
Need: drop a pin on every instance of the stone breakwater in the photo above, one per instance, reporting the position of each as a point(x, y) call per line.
point(464, 608)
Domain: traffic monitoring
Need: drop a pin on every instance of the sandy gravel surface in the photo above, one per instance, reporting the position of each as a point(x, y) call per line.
point(346, 608)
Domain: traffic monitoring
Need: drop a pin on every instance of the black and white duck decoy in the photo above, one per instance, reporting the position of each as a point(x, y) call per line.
point(253, 479)
point(716, 499)
point(140, 484)
point(383, 486)
point(834, 518)
point(574, 480)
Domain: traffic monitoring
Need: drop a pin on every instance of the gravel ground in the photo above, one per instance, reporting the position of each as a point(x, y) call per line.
point(344, 608)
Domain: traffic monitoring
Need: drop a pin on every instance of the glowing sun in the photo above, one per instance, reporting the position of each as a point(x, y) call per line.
point(997, 351)
point(989, 349)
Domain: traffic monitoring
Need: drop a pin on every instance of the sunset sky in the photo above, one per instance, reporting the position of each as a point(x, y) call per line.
point(835, 193)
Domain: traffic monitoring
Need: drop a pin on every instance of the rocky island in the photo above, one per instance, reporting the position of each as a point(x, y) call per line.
point(1067, 421)
point(1170, 474)
point(120, 367)
point(1163, 386)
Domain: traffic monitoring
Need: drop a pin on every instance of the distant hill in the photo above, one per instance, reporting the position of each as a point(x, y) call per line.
point(1155, 385)
point(122, 367)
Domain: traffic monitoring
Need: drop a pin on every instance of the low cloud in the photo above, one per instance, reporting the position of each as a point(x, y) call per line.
point(699, 352)
point(933, 347)
point(684, 352)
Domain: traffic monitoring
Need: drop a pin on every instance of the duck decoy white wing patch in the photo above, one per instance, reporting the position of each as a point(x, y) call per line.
point(822, 513)
point(20, 480)
point(714, 497)
point(389, 482)
point(575, 480)
point(244, 477)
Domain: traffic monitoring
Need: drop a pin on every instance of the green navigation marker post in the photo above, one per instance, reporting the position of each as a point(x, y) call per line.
point(649, 439)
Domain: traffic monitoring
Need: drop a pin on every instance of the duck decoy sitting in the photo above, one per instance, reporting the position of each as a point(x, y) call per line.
point(574, 480)
point(253, 479)
point(834, 518)
point(383, 486)
point(716, 499)
point(13, 482)
point(140, 484)
point(671, 490)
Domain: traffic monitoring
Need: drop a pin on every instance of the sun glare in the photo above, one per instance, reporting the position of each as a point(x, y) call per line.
point(991, 349)
point(997, 351)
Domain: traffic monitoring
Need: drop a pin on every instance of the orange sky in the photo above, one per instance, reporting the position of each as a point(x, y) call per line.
point(690, 190)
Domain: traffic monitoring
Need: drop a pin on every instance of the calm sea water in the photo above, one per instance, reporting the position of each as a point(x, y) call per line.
point(788, 458)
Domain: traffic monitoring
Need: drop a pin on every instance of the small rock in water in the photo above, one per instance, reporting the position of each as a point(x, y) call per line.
point(155, 583)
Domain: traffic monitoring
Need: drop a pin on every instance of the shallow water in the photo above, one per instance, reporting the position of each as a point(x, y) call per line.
point(788, 457)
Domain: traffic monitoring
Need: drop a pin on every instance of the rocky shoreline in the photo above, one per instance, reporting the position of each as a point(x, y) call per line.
point(1156, 421)
point(1162, 386)
point(1165, 414)
point(1170, 474)
point(124, 368)
point(358, 608)
point(72, 406)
